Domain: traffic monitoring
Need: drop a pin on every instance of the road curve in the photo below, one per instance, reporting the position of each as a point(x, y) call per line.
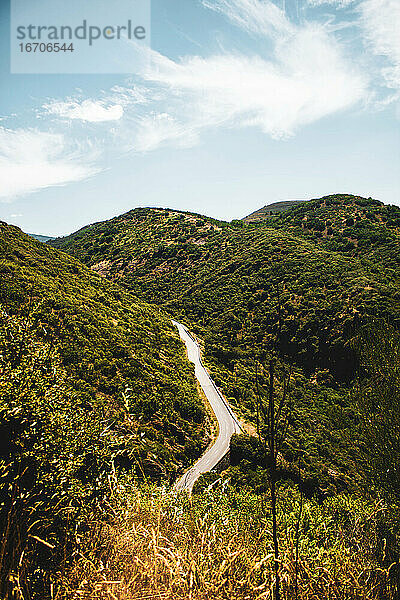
point(228, 423)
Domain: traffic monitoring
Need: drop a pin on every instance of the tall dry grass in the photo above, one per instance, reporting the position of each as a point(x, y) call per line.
point(219, 546)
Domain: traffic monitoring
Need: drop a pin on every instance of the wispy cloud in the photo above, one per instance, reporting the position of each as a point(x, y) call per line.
point(262, 18)
point(376, 24)
point(299, 74)
point(380, 20)
point(31, 160)
point(292, 74)
point(156, 129)
point(306, 77)
point(88, 110)
point(339, 3)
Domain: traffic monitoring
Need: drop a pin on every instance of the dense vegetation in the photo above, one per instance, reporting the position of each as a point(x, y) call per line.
point(354, 226)
point(97, 400)
point(94, 385)
point(247, 288)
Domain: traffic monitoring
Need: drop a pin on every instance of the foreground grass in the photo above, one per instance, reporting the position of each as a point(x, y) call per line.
point(218, 545)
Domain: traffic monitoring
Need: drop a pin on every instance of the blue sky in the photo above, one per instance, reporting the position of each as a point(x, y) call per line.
point(242, 103)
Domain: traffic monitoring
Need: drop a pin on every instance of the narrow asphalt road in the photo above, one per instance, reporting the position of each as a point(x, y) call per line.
point(228, 423)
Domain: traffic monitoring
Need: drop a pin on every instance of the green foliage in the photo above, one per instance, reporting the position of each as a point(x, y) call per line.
point(361, 227)
point(378, 400)
point(110, 391)
point(54, 459)
point(248, 448)
point(230, 284)
point(92, 381)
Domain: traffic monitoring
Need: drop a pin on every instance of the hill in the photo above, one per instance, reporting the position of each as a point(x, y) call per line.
point(207, 268)
point(352, 225)
point(252, 292)
point(248, 289)
point(93, 383)
point(270, 209)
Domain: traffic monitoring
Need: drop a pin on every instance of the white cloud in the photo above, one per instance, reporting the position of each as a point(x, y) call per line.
point(87, 110)
point(340, 3)
point(381, 22)
point(292, 75)
point(137, 95)
point(378, 22)
point(158, 128)
point(305, 78)
point(263, 18)
point(31, 160)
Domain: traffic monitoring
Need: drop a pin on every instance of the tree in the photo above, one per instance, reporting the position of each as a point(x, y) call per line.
point(273, 413)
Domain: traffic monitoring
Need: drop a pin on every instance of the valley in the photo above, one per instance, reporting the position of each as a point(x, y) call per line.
point(101, 413)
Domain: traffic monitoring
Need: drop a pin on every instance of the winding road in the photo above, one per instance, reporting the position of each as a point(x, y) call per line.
point(227, 421)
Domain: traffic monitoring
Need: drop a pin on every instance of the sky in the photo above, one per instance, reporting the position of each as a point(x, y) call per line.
point(242, 103)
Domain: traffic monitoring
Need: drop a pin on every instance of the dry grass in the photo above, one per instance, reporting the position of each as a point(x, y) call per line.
point(217, 547)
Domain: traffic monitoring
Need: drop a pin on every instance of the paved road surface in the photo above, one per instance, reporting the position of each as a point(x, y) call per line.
point(228, 424)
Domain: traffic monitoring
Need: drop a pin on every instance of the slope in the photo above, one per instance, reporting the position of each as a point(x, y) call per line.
point(92, 382)
point(352, 225)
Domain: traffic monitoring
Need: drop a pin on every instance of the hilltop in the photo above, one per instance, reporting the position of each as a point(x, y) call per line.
point(290, 288)
point(207, 269)
point(266, 211)
point(352, 225)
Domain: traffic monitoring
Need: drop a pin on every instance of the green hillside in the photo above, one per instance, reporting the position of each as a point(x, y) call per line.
point(352, 225)
point(355, 226)
point(98, 402)
point(93, 384)
point(249, 289)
